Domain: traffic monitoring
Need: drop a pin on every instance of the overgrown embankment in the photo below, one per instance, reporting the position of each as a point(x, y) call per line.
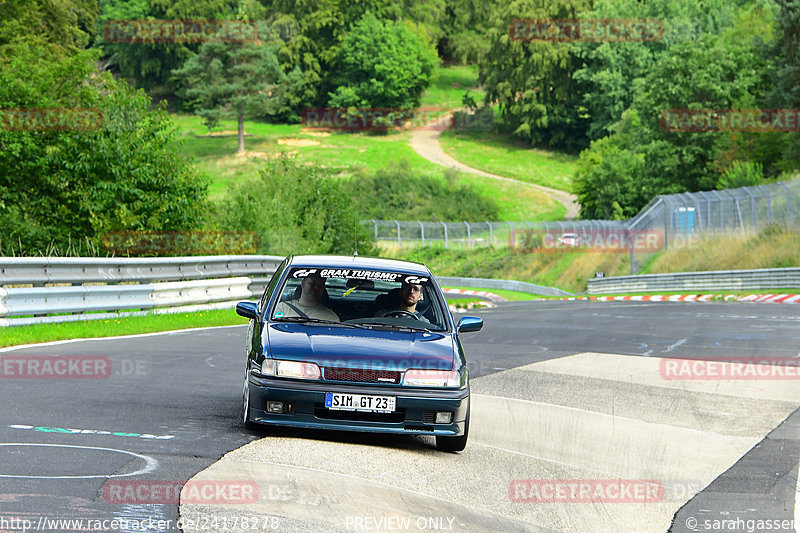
point(773, 247)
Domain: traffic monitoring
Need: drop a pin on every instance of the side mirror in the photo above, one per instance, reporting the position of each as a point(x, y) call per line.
point(469, 323)
point(247, 309)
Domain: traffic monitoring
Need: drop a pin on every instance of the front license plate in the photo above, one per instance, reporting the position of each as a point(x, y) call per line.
point(359, 402)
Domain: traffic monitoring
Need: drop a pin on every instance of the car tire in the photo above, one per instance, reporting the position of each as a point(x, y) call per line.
point(454, 444)
point(248, 424)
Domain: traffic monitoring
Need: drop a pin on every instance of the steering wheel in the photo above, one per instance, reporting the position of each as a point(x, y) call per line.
point(400, 313)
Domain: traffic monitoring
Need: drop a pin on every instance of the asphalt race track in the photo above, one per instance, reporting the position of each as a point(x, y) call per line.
point(585, 417)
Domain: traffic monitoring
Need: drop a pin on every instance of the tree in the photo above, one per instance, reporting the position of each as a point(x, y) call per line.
point(464, 30)
point(611, 73)
point(785, 55)
point(320, 28)
point(118, 171)
point(718, 71)
point(532, 81)
point(382, 65)
point(150, 64)
point(60, 23)
point(238, 80)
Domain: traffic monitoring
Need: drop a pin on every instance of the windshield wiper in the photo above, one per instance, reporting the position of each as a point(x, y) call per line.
point(393, 326)
point(306, 319)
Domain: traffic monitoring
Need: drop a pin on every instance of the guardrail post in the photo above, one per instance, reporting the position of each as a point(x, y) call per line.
point(469, 236)
point(375, 223)
point(446, 245)
point(491, 234)
point(422, 231)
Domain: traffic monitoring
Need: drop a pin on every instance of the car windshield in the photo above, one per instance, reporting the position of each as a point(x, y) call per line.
point(373, 298)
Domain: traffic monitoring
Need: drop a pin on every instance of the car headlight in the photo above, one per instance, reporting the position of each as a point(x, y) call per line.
point(432, 378)
point(290, 369)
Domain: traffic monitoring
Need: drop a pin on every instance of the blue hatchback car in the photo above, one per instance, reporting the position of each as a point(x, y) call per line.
point(357, 344)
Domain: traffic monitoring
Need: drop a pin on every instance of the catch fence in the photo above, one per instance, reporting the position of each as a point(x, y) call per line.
point(668, 221)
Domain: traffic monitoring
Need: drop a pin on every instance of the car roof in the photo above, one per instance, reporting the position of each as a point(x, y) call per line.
point(367, 263)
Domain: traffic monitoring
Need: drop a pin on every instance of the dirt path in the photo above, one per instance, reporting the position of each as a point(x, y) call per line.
point(425, 141)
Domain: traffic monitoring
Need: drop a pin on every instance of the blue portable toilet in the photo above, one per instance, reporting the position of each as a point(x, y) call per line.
point(683, 220)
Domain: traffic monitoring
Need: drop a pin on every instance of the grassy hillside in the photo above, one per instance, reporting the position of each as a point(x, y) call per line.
point(511, 157)
point(774, 247)
point(353, 154)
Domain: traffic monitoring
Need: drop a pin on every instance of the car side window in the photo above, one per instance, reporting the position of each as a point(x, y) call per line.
point(271, 285)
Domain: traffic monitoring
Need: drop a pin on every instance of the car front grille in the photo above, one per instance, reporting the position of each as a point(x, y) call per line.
point(362, 375)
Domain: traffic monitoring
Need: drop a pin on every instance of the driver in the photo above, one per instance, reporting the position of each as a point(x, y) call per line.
point(307, 305)
point(410, 294)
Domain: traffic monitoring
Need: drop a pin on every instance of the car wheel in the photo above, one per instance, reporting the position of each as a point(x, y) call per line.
point(454, 444)
point(248, 424)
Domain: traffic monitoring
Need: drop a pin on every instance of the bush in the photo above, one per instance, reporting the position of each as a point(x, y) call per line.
point(295, 209)
point(395, 192)
point(741, 174)
point(122, 172)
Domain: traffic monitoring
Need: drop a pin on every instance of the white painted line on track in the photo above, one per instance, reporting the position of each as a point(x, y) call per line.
point(676, 345)
point(137, 335)
point(150, 463)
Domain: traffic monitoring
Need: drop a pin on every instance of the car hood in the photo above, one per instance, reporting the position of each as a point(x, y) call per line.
point(361, 348)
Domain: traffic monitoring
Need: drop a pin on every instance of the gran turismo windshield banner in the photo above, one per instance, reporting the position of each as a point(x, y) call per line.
point(375, 275)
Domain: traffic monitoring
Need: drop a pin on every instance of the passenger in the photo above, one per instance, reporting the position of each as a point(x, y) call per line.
point(308, 304)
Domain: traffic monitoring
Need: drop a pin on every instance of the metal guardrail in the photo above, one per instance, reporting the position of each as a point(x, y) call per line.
point(43, 286)
point(39, 271)
point(502, 284)
point(730, 280)
point(73, 288)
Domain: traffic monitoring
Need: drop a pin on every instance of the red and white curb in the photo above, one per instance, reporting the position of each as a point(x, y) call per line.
point(490, 295)
point(472, 305)
point(758, 298)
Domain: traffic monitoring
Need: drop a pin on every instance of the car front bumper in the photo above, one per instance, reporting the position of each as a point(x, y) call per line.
point(305, 407)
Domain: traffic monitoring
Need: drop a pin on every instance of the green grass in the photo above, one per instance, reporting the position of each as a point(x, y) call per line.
point(449, 85)
point(516, 202)
point(349, 153)
point(36, 333)
point(510, 157)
